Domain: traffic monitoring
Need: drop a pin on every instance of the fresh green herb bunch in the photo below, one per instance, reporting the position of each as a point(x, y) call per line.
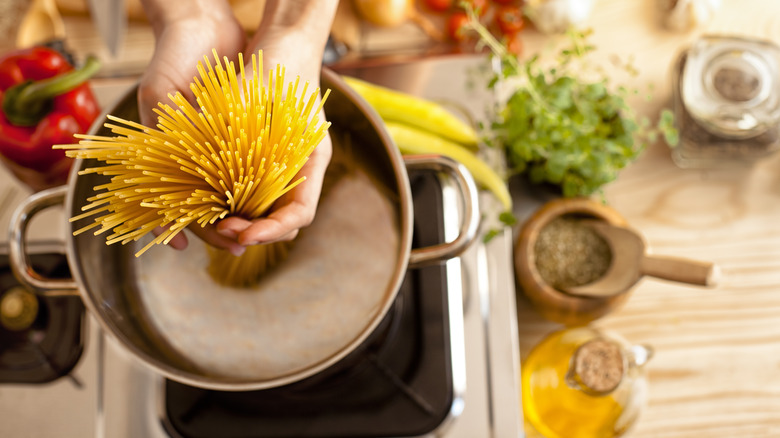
point(558, 127)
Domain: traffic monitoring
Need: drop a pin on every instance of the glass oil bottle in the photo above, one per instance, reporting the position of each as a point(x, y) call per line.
point(584, 383)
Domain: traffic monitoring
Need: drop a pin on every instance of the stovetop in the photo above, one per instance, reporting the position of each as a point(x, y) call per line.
point(109, 394)
point(485, 385)
point(400, 383)
point(41, 338)
point(48, 371)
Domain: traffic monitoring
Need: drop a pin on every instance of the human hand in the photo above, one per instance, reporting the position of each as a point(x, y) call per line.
point(185, 32)
point(301, 54)
point(284, 40)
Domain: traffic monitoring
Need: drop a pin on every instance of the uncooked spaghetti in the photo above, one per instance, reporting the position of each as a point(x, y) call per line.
point(234, 154)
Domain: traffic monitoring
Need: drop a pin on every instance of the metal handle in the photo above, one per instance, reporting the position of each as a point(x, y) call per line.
point(467, 189)
point(20, 262)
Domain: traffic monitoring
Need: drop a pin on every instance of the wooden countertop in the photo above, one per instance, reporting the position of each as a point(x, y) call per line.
point(716, 371)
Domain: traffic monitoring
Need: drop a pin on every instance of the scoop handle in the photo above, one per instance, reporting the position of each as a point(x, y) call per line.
point(681, 270)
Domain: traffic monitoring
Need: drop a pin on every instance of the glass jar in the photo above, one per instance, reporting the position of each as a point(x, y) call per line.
point(726, 93)
point(584, 383)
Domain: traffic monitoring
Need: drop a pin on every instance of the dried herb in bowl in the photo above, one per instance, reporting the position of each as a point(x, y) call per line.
point(569, 253)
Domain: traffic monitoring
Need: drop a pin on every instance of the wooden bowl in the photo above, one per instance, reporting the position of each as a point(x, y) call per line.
point(551, 303)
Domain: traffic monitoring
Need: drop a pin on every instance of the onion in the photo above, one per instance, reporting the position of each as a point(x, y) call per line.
point(392, 13)
point(384, 13)
point(557, 16)
point(685, 15)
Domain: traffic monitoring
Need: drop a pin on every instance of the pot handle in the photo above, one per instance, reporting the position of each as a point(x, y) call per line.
point(467, 189)
point(20, 262)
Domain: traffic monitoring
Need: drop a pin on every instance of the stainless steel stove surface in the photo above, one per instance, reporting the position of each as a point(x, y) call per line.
point(404, 382)
point(461, 379)
point(41, 338)
point(48, 370)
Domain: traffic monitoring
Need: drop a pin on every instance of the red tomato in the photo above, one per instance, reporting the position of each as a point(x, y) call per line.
point(510, 19)
point(456, 26)
point(438, 5)
point(514, 44)
point(480, 6)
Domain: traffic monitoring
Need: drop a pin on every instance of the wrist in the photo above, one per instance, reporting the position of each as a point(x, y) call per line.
point(299, 15)
point(308, 20)
point(164, 13)
point(294, 33)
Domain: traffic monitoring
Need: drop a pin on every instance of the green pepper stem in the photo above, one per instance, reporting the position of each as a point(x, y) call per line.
point(27, 103)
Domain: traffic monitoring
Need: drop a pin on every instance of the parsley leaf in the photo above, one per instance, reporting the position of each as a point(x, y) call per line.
point(558, 127)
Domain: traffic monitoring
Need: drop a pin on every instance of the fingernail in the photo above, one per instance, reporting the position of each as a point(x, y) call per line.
point(249, 242)
point(237, 250)
point(227, 232)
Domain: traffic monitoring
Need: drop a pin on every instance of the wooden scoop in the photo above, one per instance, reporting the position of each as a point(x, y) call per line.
point(630, 262)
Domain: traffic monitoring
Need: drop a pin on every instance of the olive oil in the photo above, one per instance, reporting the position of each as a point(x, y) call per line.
point(580, 383)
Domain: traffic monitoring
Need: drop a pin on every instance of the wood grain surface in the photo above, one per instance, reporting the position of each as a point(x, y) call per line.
point(716, 371)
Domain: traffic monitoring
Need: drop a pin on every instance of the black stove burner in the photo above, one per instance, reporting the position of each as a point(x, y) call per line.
point(398, 384)
point(50, 346)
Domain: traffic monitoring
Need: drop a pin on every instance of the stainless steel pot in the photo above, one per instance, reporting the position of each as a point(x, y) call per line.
point(107, 283)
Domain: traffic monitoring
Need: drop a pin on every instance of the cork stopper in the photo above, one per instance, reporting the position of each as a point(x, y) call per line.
point(598, 365)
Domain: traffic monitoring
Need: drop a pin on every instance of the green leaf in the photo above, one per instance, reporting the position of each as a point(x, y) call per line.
point(537, 173)
point(555, 167)
point(507, 218)
point(672, 137)
point(560, 128)
point(490, 235)
point(559, 94)
point(667, 128)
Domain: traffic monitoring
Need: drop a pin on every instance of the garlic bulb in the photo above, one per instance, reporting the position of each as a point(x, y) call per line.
point(557, 16)
point(684, 15)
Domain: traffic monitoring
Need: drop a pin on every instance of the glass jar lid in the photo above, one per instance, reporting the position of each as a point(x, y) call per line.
point(730, 85)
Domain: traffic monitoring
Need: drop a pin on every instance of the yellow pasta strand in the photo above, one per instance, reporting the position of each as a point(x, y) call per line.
point(242, 271)
point(234, 153)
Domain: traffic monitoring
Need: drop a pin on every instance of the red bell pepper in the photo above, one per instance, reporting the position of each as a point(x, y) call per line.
point(44, 102)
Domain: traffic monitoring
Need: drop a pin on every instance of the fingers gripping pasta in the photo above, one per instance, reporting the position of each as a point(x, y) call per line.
point(234, 154)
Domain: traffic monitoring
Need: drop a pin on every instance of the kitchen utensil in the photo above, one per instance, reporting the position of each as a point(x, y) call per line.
point(175, 336)
point(110, 18)
point(630, 262)
point(550, 302)
point(41, 24)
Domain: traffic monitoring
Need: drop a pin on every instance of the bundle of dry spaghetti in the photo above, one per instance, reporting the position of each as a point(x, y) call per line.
point(233, 155)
